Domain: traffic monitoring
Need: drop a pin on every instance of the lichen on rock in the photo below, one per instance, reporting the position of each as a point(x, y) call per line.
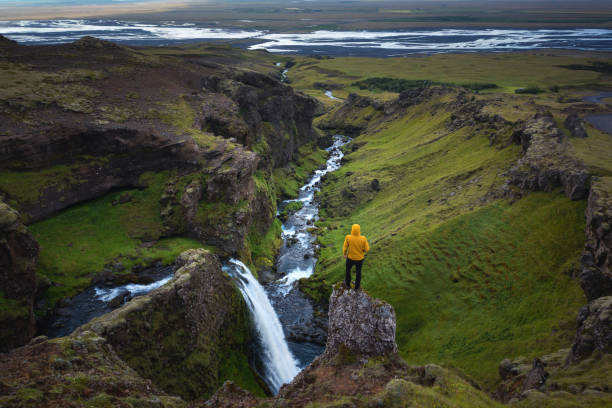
point(361, 324)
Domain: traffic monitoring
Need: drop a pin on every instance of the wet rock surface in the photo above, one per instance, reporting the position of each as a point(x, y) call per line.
point(18, 258)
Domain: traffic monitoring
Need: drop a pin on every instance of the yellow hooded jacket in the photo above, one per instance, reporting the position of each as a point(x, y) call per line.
point(355, 245)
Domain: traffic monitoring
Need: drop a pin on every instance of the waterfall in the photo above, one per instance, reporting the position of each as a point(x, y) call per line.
point(279, 365)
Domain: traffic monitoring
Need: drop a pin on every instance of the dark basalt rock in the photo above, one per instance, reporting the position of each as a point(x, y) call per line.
point(18, 258)
point(5, 42)
point(545, 164)
point(596, 277)
point(257, 109)
point(359, 323)
point(165, 334)
point(594, 330)
point(574, 124)
point(519, 379)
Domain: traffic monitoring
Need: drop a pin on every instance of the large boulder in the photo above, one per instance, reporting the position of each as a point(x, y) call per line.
point(594, 330)
point(574, 124)
point(18, 257)
point(359, 324)
point(186, 333)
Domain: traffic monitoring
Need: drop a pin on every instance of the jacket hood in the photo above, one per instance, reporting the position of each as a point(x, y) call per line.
point(356, 230)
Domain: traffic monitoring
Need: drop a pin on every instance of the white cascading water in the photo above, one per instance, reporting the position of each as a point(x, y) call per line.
point(279, 363)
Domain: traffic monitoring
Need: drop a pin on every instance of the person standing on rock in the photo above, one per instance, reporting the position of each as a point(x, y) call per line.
point(354, 250)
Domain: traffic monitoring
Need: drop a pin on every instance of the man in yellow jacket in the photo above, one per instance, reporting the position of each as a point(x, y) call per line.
point(354, 250)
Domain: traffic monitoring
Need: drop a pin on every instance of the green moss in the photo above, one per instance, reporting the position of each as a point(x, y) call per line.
point(594, 151)
point(27, 186)
point(156, 349)
point(79, 241)
point(508, 71)
point(30, 395)
point(288, 180)
point(293, 207)
point(264, 248)
point(13, 309)
point(472, 280)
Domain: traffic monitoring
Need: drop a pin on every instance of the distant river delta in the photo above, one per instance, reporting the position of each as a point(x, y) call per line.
point(325, 42)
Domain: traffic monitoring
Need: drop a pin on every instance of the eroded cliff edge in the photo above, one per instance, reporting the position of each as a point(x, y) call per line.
point(153, 148)
point(183, 339)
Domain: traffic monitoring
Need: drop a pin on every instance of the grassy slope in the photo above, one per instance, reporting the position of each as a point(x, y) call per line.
point(471, 282)
point(79, 241)
point(509, 71)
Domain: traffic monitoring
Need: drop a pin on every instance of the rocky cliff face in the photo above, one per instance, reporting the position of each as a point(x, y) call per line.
point(546, 164)
point(184, 334)
point(117, 159)
point(18, 257)
point(260, 113)
point(359, 324)
point(596, 276)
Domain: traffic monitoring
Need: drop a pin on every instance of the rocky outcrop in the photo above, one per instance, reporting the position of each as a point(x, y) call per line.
point(231, 396)
point(219, 204)
point(596, 261)
point(546, 164)
point(182, 334)
point(359, 324)
point(259, 112)
point(5, 42)
point(18, 258)
point(80, 370)
point(118, 157)
point(594, 330)
point(361, 364)
point(520, 378)
point(574, 124)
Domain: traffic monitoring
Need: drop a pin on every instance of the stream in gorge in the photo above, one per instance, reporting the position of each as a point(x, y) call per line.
point(289, 334)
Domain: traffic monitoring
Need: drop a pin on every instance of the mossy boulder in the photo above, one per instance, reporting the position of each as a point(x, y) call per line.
point(188, 336)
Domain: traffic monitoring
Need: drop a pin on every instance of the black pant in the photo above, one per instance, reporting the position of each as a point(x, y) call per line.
point(347, 277)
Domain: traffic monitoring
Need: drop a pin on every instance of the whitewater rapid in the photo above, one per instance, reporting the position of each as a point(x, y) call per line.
point(279, 364)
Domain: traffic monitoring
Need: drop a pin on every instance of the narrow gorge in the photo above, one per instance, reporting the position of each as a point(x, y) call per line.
point(172, 220)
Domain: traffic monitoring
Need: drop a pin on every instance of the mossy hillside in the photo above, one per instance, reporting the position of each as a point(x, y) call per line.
point(472, 279)
point(508, 71)
point(80, 241)
point(23, 85)
point(289, 179)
